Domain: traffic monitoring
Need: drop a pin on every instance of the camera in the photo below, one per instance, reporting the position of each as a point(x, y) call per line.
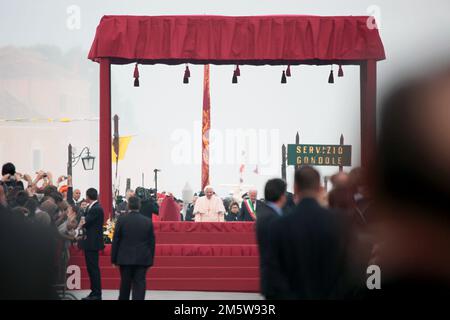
point(145, 194)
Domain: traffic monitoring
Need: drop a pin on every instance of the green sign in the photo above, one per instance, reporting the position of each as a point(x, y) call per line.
point(319, 155)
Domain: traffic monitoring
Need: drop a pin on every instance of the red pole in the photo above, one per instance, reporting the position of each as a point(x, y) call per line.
point(341, 142)
point(206, 126)
point(368, 77)
point(105, 191)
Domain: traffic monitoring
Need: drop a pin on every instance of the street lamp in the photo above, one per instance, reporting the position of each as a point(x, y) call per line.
point(87, 159)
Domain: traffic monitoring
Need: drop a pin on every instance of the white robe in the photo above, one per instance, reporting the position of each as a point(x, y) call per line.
point(209, 210)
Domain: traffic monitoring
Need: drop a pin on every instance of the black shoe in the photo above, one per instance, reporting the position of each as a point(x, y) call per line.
point(92, 298)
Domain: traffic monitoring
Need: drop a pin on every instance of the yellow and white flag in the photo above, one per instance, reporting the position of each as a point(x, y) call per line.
point(123, 146)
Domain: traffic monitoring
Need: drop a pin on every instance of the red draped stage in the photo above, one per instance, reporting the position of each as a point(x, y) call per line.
point(192, 256)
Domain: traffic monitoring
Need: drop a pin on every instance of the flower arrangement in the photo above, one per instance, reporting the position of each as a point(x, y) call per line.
point(108, 230)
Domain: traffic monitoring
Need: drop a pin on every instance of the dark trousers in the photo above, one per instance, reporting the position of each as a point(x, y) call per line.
point(93, 270)
point(132, 278)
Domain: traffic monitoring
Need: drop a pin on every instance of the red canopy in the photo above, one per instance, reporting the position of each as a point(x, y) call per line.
point(254, 40)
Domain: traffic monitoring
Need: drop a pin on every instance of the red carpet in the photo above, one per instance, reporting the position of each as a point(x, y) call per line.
point(192, 256)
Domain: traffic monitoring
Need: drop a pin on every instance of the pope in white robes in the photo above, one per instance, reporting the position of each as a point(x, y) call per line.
point(209, 208)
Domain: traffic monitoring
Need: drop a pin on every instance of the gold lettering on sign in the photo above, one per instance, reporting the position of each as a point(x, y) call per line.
point(334, 155)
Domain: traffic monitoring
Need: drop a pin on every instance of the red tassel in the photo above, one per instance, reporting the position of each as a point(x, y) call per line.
point(288, 71)
point(136, 71)
point(283, 77)
point(235, 75)
point(238, 71)
point(187, 75)
point(136, 75)
point(340, 72)
point(331, 77)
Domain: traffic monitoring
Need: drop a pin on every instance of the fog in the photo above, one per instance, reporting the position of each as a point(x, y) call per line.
point(45, 73)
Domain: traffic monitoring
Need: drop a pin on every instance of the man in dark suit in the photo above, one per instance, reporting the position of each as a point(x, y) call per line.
point(306, 257)
point(268, 211)
point(133, 248)
point(93, 242)
point(190, 209)
point(249, 207)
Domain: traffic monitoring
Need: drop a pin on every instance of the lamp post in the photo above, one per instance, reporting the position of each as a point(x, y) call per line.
point(156, 179)
point(87, 159)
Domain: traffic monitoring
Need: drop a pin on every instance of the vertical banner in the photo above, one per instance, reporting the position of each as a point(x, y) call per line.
point(206, 125)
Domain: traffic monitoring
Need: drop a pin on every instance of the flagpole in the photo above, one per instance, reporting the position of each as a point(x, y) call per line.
point(206, 126)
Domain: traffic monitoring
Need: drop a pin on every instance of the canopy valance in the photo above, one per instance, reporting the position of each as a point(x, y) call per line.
point(256, 40)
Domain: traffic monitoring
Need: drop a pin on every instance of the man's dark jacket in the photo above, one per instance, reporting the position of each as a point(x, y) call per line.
point(307, 254)
point(133, 241)
point(94, 229)
point(266, 217)
point(245, 215)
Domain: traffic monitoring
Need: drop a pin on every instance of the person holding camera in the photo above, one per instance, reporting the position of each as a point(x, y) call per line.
point(148, 203)
point(10, 178)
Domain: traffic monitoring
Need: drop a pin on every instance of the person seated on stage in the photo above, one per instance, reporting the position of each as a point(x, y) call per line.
point(190, 209)
point(180, 204)
point(249, 206)
point(233, 212)
point(209, 208)
point(169, 209)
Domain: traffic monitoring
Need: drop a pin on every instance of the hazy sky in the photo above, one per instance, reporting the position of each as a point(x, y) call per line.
point(164, 115)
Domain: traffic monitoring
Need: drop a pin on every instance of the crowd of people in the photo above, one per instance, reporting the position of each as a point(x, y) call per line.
point(313, 244)
point(52, 209)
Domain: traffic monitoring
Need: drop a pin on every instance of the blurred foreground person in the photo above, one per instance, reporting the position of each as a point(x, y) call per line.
point(357, 236)
point(268, 211)
point(92, 221)
point(27, 255)
point(413, 191)
point(306, 259)
point(133, 248)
